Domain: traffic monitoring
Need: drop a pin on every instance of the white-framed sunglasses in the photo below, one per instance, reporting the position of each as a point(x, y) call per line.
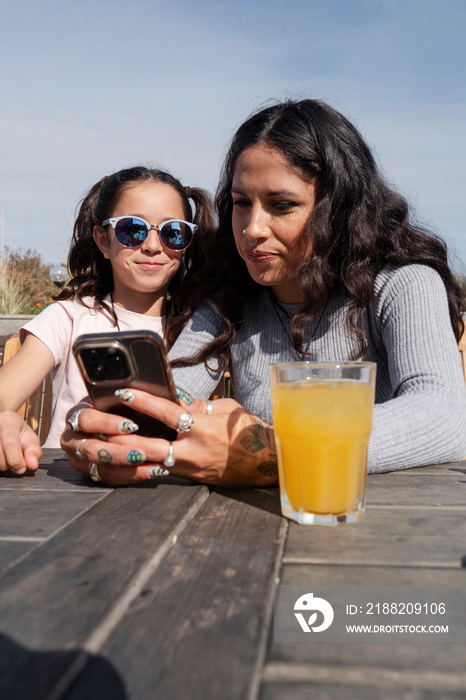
point(132, 231)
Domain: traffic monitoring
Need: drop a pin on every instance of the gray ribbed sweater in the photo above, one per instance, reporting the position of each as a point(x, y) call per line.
point(420, 411)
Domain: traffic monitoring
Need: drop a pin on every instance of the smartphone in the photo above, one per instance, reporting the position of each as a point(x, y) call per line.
point(126, 359)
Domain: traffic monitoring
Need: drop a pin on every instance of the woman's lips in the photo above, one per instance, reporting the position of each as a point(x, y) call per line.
point(258, 256)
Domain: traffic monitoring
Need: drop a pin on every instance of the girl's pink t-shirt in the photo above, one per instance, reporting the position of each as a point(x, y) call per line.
point(58, 326)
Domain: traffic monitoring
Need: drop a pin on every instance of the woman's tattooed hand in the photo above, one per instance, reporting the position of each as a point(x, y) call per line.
point(262, 437)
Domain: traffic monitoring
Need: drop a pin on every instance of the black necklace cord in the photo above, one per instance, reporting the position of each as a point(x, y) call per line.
point(116, 315)
point(279, 311)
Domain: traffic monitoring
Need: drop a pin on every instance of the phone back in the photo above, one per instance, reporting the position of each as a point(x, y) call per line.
point(127, 359)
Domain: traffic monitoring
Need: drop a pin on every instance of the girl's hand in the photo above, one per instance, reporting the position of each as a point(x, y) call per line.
point(230, 447)
point(19, 445)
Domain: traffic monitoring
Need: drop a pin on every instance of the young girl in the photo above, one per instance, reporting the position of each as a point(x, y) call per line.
point(135, 245)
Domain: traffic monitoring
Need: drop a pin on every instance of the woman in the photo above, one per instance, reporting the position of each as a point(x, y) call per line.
point(135, 244)
point(315, 258)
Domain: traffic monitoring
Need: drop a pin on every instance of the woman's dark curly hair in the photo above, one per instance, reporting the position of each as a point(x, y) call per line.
point(358, 225)
point(91, 273)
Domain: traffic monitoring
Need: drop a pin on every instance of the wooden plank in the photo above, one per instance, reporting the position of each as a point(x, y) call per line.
point(345, 690)
point(62, 591)
point(418, 488)
point(303, 574)
point(438, 469)
point(444, 658)
point(54, 474)
point(34, 406)
point(401, 536)
point(462, 349)
point(12, 346)
point(58, 594)
point(46, 414)
point(50, 455)
point(11, 550)
point(43, 513)
point(197, 630)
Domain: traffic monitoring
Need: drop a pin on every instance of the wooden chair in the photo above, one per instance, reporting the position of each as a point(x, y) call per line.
point(224, 390)
point(36, 411)
point(462, 349)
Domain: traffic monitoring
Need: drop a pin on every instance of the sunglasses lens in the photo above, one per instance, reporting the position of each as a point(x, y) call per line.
point(131, 232)
point(176, 235)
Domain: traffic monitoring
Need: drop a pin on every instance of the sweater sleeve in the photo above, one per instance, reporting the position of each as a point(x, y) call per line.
point(425, 421)
point(198, 380)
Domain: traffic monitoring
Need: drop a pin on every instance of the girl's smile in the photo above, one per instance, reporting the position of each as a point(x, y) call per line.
point(141, 275)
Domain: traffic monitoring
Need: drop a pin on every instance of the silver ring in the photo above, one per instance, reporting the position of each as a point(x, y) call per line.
point(169, 460)
point(94, 472)
point(73, 421)
point(209, 407)
point(77, 452)
point(185, 422)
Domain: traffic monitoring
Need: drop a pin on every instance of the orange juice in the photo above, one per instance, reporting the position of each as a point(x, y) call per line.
point(322, 429)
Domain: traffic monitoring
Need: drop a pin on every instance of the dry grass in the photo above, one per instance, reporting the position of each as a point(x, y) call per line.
point(12, 297)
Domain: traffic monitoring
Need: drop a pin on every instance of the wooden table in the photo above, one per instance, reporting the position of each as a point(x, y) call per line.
point(166, 590)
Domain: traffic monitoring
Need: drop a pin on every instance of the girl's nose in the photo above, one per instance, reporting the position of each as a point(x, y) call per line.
point(152, 242)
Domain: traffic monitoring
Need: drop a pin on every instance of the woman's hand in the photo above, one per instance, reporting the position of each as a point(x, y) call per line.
point(19, 445)
point(230, 447)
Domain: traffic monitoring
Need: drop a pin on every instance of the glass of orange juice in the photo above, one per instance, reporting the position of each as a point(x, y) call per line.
point(322, 414)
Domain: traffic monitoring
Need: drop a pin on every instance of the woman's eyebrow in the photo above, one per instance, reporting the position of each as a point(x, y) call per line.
point(272, 193)
point(276, 193)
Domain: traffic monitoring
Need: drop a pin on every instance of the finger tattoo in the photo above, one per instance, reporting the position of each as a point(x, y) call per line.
point(104, 457)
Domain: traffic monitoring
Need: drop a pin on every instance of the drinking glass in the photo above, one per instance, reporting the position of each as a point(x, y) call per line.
point(322, 415)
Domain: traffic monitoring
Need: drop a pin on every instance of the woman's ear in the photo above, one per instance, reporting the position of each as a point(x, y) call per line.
point(101, 240)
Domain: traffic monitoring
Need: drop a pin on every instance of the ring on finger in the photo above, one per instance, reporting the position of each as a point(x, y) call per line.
point(73, 421)
point(209, 407)
point(185, 422)
point(94, 472)
point(169, 460)
point(77, 450)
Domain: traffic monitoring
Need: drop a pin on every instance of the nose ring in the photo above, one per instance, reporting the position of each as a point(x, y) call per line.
point(251, 243)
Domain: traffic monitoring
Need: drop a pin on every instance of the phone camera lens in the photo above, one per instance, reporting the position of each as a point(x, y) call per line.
point(114, 364)
point(97, 373)
point(91, 357)
point(105, 363)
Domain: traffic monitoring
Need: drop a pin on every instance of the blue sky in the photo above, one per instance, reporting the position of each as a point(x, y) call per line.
point(92, 86)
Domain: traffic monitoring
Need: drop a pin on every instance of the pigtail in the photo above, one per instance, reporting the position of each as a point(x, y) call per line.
point(195, 261)
point(204, 218)
point(91, 274)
